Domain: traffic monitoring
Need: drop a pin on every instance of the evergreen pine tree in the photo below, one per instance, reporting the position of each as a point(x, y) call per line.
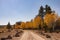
point(48, 9)
point(8, 26)
point(41, 11)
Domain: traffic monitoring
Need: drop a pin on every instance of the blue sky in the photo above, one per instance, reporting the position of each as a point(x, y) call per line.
point(23, 10)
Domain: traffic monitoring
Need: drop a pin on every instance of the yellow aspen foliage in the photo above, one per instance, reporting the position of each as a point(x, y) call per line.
point(49, 19)
point(17, 26)
point(37, 21)
point(28, 25)
point(22, 25)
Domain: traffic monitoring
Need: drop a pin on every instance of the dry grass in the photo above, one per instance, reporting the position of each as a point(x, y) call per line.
point(12, 34)
point(54, 35)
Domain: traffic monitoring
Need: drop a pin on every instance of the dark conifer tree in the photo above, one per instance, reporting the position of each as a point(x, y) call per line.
point(41, 14)
point(41, 11)
point(48, 9)
point(8, 26)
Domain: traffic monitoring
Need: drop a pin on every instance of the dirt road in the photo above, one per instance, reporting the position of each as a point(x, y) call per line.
point(29, 35)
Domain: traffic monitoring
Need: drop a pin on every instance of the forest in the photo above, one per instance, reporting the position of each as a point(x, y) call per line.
point(47, 20)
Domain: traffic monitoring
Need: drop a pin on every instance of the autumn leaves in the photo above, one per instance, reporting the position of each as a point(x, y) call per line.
point(50, 19)
point(46, 17)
